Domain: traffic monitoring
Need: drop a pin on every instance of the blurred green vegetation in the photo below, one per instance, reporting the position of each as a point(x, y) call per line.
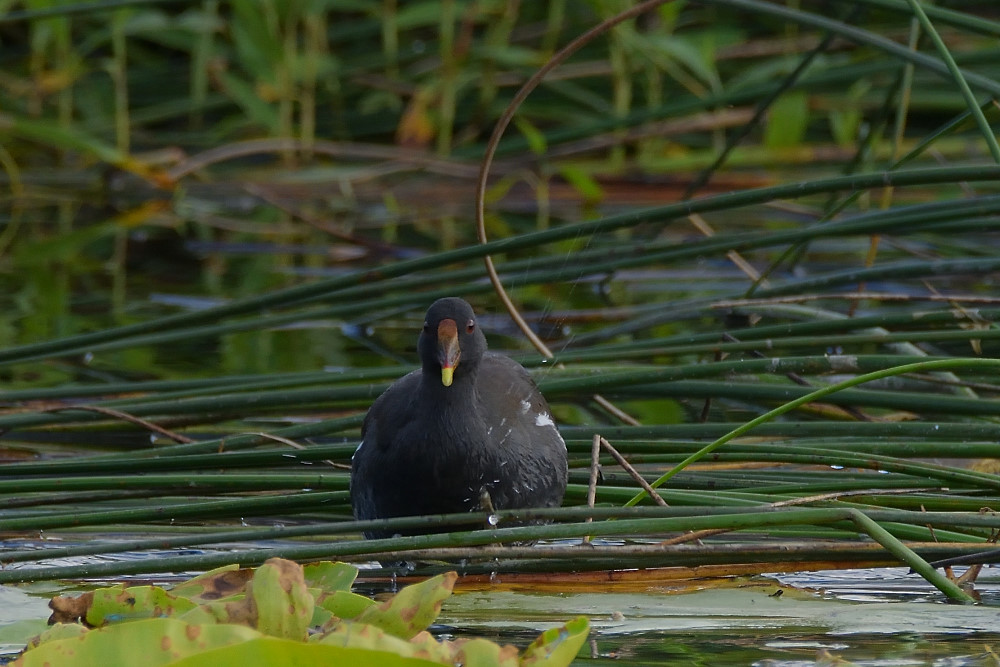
point(115, 213)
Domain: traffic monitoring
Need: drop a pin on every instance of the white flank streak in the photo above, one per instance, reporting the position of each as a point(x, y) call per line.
point(544, 419)
point(525, 406)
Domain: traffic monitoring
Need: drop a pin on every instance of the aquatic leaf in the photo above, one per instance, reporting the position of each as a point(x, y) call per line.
point(483, 653)
point(115, 604)
point(344, 604)
point(159, 641)
point(329, 584)
point(283, 603)
point(330, 576)
point(322, 619)
point(277, 601)
point(238, 609)
point(273, 651)
point(557, 646)
point(54, 632)
point(413, 608)
point(367, 637)
point(222, 582)
point(426, 646)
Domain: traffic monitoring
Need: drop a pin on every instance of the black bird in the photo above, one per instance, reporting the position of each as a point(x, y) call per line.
point(466, 424)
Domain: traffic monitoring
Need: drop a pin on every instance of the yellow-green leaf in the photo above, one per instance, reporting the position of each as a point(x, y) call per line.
point(286, 653)
point(344, 604)
point(116, 604)
point(284, 605)
point(557, 647)
point(329, 576)
point(150, 642)
point(413, 608)
point(217, 584)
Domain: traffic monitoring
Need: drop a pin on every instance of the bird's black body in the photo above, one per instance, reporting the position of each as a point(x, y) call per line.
point(429, 448)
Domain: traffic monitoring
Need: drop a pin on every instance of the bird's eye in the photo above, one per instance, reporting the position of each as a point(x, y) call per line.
point(470, 326)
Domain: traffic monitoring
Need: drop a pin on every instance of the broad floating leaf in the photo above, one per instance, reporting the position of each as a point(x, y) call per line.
point(481, 652)
point(222, 582)
point(369, 637)
point(274, 651)
point(345, 605)
point(330, 576)
point(557, 646)
point(412, 609)
point(266, 620)
point(115, 604)
point(284, 605)
point(58, 631)
point(151, 642)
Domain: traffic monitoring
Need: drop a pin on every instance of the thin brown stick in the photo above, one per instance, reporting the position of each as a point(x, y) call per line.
point(501, 126)
point(124, 416)
point(595, 468)
point(284, 441)
point(491, 147)
point(736, 258)
point(617, 412)
point(634, 473)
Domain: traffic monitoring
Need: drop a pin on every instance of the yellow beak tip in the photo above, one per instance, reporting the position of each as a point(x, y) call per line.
point(447, 375)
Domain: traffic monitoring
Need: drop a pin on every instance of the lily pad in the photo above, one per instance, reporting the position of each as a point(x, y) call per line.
point(557, 646)
point(330, 576)
point(413, 608)
point(344, 604)
point(287, 653)
point(115, 604)
point(153, 642)
point(369, 637)
point(283, 603)
point(220, 583)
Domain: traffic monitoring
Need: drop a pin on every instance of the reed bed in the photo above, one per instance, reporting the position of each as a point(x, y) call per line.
point(766, 235)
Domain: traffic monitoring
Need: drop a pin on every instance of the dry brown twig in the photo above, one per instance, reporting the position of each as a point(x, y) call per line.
point(491, 146)
point(124, 416)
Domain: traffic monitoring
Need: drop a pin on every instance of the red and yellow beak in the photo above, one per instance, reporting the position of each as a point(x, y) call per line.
point(448, 350)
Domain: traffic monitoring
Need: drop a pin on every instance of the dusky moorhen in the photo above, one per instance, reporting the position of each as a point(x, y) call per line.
point(467, 422)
